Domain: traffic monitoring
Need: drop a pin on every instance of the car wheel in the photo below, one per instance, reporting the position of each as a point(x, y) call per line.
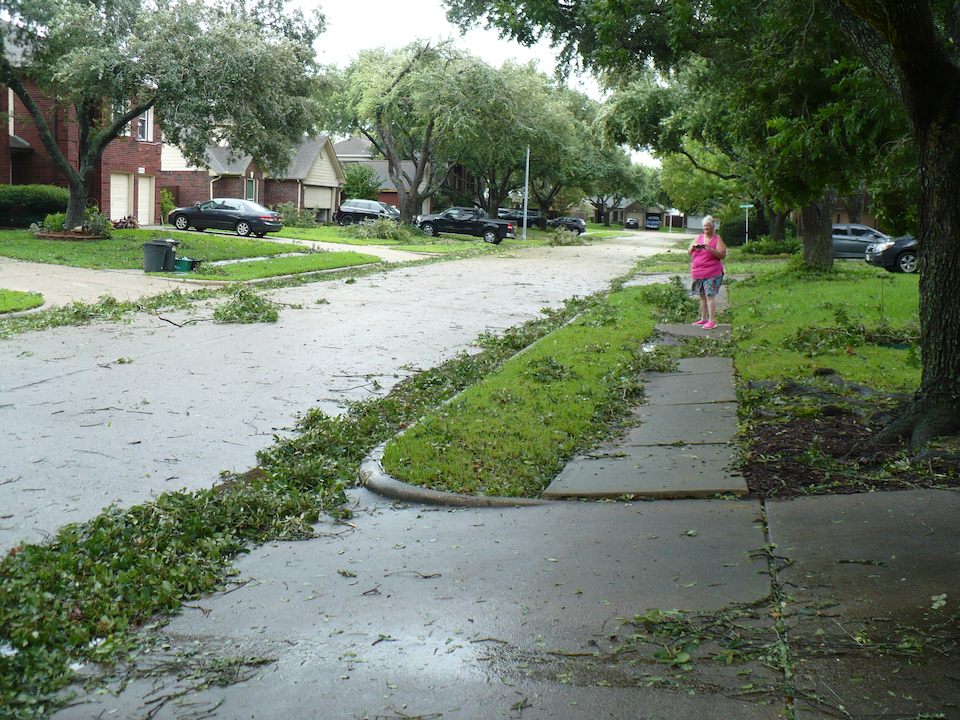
point(180, 222)
point(346, 220)
point(261, 235)
point(491, 236)
point(906, 262)
point(243, 228)
point(429, 230)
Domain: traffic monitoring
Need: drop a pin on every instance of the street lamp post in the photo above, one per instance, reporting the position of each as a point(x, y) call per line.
point(746, 209)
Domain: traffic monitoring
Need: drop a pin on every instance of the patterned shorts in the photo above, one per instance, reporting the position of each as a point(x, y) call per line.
point(708, 286)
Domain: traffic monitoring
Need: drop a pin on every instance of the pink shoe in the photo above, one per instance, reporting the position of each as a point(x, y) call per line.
point(709, 325)
point(700, 322)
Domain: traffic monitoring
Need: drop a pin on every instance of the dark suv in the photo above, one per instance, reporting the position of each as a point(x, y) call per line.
point(533, 217)
point(353, 211)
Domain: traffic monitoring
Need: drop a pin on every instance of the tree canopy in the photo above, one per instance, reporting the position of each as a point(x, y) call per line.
point(795, 128)
point(215, 72)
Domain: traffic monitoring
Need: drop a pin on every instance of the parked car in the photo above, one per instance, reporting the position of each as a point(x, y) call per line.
point(533, 217)
point(468, 221)
point(244, 217)
point(851, 240)
point(631, 223)
point(572, 224)
point(652, 223)
point(354, 211)
point(895, 255)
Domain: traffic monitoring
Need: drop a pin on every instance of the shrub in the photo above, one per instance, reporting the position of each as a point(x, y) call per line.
point(96, 223)
point(26, 204)
point(363, 182)
point(765, 246)
point(166, 204)
point(293, 216)
point(54, 222)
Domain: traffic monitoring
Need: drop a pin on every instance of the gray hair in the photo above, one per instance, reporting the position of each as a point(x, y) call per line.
point(710, 219)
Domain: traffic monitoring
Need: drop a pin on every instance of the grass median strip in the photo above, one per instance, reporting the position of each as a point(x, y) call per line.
point(14, 300)
point(510, 434)
point(277, 267)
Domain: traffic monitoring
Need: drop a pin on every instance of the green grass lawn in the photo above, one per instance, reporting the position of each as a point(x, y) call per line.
point(275, 267)
point(124, 249)
point(14, 300)
point(510, 434)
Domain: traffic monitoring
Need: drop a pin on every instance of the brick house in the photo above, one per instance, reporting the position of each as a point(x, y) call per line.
point(124, 181)
point(312, 180)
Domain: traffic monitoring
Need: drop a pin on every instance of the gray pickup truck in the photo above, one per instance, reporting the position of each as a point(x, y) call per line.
point(468, 221)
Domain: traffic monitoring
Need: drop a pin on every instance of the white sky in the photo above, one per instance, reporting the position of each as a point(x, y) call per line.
point(354, 25)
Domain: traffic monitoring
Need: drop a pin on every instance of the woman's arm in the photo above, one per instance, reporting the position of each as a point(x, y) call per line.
point(720, 252)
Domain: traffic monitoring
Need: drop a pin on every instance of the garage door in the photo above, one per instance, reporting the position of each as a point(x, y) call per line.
point(145, 199)
point(121, 197)
point(317, 197)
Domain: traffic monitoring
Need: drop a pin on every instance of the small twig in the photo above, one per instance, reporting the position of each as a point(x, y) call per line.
point(418, 574)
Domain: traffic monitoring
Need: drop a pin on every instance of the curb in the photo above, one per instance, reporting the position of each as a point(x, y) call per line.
point(373, 477)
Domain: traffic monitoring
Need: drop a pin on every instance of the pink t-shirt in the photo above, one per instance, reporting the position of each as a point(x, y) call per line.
point(704, 264)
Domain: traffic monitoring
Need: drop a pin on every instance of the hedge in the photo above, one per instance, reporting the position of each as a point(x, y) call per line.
point(25, 204)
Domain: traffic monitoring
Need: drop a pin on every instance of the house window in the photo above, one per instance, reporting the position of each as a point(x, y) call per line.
point(250, 193)
point(119, 108)
point(145, 126)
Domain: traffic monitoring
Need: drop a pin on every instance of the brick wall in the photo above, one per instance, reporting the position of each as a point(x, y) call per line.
point(281, 191)
point(187, 186)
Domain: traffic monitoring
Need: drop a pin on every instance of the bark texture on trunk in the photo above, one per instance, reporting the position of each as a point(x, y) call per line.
point(816, 228)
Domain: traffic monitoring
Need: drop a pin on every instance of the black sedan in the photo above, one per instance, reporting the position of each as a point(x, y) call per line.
point(574, 225)
point(631, 223)
point(243, 217)
point(899, 255)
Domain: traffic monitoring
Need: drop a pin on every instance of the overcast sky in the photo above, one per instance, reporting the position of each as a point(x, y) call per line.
point(354, 25)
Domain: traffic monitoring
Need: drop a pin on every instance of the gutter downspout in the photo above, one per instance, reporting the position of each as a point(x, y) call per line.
point(211, 186)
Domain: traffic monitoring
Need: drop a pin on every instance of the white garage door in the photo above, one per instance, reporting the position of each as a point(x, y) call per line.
point(121, 195)
point(317, 197)
point(145, 199)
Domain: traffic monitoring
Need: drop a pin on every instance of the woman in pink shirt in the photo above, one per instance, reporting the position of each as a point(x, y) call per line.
point(706, 269)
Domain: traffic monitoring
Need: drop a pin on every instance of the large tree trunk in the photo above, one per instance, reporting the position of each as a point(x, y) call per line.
point(935, 409)
point(906, 45)
point(816, 229)
point(778, 226)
